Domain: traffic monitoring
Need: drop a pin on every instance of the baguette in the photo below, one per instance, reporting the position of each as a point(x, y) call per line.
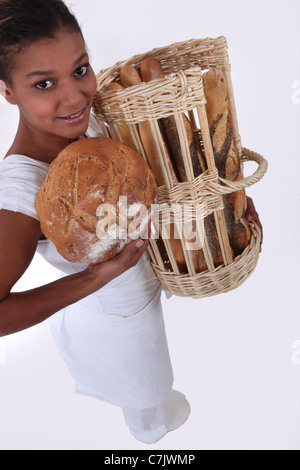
point(226, 157)
point(151, 70)
point(122, 128)
point(130, 77)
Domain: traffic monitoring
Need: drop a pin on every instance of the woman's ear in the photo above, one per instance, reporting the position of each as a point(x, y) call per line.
point(2, 91)
point(7, 92)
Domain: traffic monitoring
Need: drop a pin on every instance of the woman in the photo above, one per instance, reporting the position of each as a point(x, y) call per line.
point(106, 318)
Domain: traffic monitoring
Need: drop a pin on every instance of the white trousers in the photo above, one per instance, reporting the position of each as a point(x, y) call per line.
point(124, 361)
point(152, 424)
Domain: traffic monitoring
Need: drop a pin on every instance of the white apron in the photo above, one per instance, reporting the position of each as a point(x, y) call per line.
point(113, 341)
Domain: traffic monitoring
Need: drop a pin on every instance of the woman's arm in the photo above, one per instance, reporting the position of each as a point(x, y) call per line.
point(19, 235)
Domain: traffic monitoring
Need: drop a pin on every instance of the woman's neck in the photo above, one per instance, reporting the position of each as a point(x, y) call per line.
point(38, 147)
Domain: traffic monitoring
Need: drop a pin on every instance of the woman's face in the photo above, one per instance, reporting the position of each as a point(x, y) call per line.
point(53, 86)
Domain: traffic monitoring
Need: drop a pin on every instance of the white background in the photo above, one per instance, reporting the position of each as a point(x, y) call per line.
point(232, 354)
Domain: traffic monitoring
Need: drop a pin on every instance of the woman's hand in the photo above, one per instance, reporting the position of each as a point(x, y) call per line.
point(102, 273)
point(128, 258)
point(252, 215)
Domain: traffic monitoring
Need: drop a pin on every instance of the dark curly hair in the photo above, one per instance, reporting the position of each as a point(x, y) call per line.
point(22, 22)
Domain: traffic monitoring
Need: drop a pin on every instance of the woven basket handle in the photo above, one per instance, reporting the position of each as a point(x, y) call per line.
point(228, 187)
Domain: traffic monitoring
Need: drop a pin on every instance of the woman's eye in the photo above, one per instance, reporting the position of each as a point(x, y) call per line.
point(81, 70)
point(44, 85)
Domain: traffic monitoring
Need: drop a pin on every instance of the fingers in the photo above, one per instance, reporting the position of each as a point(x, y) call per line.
point(255, 218)
point(106, 272)
point(261, 230)
point(252, 215)
point(132, 253)
point(250, 209)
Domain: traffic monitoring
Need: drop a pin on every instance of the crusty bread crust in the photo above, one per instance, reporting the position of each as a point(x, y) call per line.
point(226, 157)
point(86, 175)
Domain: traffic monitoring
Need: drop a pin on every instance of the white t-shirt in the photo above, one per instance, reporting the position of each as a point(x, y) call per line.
point(112, 341)
point(20, 179)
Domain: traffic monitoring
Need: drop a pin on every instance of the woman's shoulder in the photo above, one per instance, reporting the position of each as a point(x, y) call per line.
point(14, 160)
point(23, 168)
point(20, 179)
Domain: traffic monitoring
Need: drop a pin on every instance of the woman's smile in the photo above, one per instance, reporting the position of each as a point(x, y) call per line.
point(74, 119)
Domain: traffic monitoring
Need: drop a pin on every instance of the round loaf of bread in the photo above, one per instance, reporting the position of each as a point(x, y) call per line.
point(95, 199)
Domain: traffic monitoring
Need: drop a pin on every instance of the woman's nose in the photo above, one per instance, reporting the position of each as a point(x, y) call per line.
point(71, 95)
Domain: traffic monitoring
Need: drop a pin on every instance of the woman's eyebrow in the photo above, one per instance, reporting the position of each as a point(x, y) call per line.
point(50, 72)
point(39, 72)
point(83, 56)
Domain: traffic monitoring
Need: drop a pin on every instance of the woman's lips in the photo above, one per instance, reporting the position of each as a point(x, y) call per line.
point(74, 119)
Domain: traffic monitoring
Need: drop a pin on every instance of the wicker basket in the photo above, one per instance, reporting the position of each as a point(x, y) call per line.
point(182, 92)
